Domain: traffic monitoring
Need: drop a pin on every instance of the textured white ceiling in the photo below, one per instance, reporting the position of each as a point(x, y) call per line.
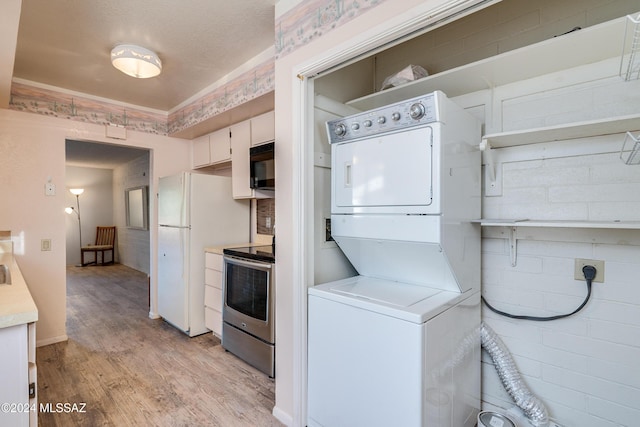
point(67, 44)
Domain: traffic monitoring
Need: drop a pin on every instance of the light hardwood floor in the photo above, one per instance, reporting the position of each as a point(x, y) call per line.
point(130, 370)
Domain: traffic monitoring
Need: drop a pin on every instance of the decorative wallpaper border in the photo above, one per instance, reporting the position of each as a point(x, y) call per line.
point(83, 109)
point(303, 23)
point(312, 19)
point(250, 85)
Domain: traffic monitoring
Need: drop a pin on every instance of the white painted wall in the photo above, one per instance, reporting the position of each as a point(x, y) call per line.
point(133, 244)
point(9, 22)
point(96, 208)
point(33, 150)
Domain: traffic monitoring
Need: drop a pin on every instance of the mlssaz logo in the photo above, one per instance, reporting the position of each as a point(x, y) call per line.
point(63, 407)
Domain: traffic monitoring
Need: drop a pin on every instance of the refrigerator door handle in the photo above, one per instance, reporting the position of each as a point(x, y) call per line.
point(186, 195)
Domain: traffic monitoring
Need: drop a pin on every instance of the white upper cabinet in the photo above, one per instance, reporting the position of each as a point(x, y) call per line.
point(220, 146)
point(240, 174)
point(263, 128)
point(232, 144)
point(200, 151)
point(211, 149)
point(244, 135)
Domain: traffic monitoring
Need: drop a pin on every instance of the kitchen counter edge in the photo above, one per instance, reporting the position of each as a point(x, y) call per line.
point(16, 303)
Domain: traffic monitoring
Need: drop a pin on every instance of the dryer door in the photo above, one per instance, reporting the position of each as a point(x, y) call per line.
point(382, 172)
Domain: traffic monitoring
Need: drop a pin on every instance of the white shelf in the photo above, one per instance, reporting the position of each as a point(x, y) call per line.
point(627, 225)
point(574, 130)
point(513, 224)
point(585, 46)
point(607, 126)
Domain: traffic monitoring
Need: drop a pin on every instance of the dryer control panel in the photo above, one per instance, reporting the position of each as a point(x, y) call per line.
point(390, 118)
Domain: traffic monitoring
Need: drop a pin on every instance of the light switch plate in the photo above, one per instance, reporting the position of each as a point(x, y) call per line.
point(49, 189)
point(45, 244)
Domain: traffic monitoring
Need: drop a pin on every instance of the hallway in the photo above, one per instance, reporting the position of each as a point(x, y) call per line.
point(130, 370)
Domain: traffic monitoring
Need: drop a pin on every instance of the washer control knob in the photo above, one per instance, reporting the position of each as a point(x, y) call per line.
point(381, 120)
point(367, 123)
point(355, 126)
point(395, 116)
point(417, 111)
point(340, 129)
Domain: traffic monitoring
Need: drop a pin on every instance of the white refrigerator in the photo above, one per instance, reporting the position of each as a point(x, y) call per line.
point(194, 211)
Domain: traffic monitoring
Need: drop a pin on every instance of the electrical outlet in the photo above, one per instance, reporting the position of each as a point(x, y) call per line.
point(599, 265)
point(45, 244)
point(327, 230)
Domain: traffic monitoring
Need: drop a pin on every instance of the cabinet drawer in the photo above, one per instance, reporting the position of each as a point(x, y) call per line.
point(213, 298)
point(213, 278)
point(210, 297)
point(213, 261)
point(213, 321)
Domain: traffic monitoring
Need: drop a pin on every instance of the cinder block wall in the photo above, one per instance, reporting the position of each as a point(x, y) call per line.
point(584, 368)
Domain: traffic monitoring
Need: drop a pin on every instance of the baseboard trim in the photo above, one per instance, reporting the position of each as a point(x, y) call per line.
point(282, 416)
point(53, 340)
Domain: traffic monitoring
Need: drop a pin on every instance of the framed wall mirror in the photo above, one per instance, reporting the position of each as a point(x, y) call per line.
point(136, 205)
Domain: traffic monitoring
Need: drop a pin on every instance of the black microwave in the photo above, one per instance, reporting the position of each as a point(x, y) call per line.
point(261, 160)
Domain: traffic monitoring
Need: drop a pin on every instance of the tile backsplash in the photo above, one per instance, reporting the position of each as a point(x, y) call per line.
point(265, 215)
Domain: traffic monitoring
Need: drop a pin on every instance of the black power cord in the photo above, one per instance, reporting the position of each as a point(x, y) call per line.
point(589, 272)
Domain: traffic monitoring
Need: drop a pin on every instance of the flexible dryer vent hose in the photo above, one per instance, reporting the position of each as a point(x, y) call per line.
point(532, 407)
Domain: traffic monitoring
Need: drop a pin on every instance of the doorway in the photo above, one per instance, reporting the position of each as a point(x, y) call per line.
point(105, 172)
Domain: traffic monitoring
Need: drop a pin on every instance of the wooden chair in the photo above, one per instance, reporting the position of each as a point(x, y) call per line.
point(105, 241)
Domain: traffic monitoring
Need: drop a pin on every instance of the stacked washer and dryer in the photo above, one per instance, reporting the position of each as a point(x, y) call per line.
point(398, 344)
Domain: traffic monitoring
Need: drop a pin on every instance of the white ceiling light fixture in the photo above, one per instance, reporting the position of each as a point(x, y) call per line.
point(136, 61)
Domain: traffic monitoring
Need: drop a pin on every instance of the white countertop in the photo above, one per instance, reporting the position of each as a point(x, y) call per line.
point(16, 304)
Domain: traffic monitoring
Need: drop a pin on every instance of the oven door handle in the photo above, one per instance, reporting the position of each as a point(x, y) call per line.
point(245, 263)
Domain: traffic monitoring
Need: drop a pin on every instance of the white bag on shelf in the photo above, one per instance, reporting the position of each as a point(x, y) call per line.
point(406, 75)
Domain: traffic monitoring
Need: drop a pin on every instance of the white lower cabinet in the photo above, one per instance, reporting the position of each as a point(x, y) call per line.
point(213, 292)
point(18, 373)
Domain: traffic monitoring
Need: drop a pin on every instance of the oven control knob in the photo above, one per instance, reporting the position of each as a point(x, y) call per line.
point(417, 111)
point(367, 123)
point(381, 120)
point(355, 126)
point(395, 116)
point(340, 129)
